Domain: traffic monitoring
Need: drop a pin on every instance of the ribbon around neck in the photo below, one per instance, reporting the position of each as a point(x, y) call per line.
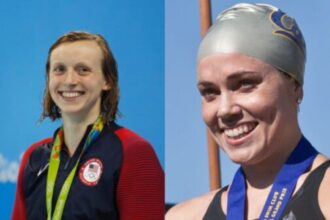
point(298, 162)
point(54, 163)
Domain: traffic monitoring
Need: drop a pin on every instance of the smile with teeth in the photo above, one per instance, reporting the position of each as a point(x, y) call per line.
point(239, 131)
point(71, 94)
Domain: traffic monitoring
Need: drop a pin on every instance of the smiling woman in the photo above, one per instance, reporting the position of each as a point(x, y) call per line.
point(250, 76)
point(246, 106)
point(76, 79)
point(92, 168)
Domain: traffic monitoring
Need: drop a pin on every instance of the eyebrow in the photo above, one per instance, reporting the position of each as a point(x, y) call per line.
point(235, 76)
point(241, 74)
point(204, 83)
point(82, 64)
point(56, 63)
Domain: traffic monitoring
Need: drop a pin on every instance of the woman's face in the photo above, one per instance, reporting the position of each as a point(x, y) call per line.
point(76, 79)
point(248, 105)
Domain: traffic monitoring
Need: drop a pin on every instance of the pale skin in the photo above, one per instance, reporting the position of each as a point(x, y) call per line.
point(75, 82)
point(251, 109)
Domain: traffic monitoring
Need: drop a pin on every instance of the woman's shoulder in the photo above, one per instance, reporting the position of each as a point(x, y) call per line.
point(191, 209)
point(36, 151)
point(39, 145)
point(128, 137)
point(133, 145)
point(136, 151)
point(324, 191)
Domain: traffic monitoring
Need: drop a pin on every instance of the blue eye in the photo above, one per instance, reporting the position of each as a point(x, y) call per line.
point(208, 94)
point(247, 83)
point(59, 69)
point(83, 70)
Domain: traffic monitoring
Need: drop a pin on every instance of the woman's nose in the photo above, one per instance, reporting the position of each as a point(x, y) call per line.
point(229, 109)
point(71, 77)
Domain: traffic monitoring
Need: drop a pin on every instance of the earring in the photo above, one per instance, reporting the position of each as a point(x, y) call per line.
point(298, 104)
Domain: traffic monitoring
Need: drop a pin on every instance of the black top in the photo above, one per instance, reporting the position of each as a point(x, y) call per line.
point(303, 205)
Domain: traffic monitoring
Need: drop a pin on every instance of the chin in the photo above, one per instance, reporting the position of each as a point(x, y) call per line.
point(238, 157)
point(72, 111)
point(245, 154)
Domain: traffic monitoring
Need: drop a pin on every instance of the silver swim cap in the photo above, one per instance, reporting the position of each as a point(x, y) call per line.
point(260, 31)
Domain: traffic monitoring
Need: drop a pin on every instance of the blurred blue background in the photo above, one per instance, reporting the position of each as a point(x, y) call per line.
point(135, 32)
point(185, 132)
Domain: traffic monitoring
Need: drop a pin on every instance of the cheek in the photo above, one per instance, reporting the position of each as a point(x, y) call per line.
point(96, 87)
point(209, 112)
point(93, 83)
point(52, 84)
point(262, 107)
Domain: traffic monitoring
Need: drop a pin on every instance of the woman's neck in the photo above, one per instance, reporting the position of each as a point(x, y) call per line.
point(261, 175)
point(74, 130)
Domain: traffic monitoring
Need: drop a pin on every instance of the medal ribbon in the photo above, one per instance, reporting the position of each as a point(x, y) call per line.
point(54, 164)
point(299, 161)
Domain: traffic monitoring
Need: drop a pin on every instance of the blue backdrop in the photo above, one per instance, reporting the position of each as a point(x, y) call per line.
point(135, 32)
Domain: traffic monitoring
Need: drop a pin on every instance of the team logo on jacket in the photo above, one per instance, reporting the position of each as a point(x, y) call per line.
point(91, 171)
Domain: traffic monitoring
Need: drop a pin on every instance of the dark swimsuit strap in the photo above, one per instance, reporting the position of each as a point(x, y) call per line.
point(214, 211)
point(314, 179)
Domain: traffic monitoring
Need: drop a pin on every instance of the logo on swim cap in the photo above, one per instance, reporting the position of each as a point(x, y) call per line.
point(288, 28)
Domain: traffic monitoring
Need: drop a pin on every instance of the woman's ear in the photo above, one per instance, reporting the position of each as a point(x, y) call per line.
point(106, 86)
point(299, 92)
